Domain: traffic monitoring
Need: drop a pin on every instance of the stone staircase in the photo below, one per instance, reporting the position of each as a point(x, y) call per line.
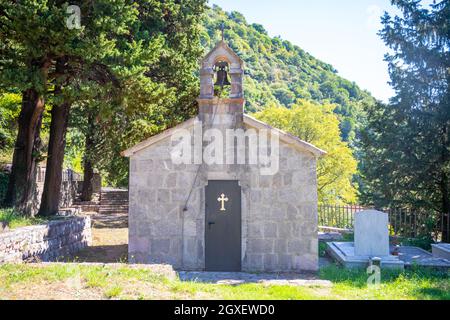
point(113, 201)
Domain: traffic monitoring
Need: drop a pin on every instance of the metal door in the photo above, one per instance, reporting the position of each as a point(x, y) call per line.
point(223, 226)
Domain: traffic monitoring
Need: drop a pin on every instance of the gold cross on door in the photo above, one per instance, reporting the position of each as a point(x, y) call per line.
point(222, 199)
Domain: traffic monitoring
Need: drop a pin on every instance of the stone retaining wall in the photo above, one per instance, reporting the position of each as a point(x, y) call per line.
point(45, 242)
point(69, 192)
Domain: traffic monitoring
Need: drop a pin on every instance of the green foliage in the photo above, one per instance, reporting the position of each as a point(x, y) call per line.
point(36, 35)
point(73, 158)
point(158, 88)
point(9, 112)
point(151, 50)
point(78, 65)
point(407, 143)
point(279, 73)
point(15, 220)
point(423, 242)
point(322, 248)
point(130, 69)
point(348, 237)
point(317, 124)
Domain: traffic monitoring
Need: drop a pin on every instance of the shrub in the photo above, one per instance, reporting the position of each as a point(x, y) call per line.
point(14, 219)
point(322, 248)
point(423, 242)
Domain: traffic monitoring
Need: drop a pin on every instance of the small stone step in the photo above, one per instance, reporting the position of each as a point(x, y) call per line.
point(122, 194)
point(112, 212)
point(85, 203)
point(113, 207)
point(114, 199)
point(114, 202)
point(92, 208)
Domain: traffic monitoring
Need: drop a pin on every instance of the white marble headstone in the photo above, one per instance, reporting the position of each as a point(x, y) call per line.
point(371, 233)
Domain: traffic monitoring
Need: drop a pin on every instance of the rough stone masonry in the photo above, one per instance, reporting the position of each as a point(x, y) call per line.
point(45, 242)
point(167, 201)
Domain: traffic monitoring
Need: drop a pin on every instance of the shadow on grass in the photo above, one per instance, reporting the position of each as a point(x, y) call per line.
point(337, 274)
point(110, 222)
point(102, 254)
point(432, 293)
point(419, 282)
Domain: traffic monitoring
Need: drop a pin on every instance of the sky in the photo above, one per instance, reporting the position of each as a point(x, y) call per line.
point(342, 33)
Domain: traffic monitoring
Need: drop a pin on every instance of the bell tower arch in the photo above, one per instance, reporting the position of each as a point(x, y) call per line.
point(223, 67)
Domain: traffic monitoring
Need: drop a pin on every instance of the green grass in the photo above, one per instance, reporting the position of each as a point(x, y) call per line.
point(17, 281)
point(322, 248)
point(14, 220)
point(346, 237)
point(113, 292)
point(414, 283)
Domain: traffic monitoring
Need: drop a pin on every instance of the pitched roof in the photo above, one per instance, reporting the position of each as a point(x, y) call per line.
point(156, 138)
point(248, 120)
point(224, 45)
point(284, 136)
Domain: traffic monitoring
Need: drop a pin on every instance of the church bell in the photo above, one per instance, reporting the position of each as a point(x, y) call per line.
point(222, 75)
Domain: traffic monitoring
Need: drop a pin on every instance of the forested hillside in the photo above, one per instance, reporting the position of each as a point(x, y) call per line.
point(279, 72)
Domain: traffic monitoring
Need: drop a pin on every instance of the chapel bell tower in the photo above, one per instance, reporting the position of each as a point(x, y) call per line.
point(221, 92)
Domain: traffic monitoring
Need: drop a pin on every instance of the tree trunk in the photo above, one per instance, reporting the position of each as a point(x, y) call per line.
point(445, 208)
point(88, 176)
point(21, 191)
point(444, 186)
point(55, 158)
point(88, 170)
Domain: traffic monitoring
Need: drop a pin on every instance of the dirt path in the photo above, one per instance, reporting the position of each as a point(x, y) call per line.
point(109, 239)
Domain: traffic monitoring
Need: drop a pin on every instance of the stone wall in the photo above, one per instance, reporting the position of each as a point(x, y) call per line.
point(281, 221)
point(45, 242)
point(158, 190)
point(69, 193)
point(279, 212)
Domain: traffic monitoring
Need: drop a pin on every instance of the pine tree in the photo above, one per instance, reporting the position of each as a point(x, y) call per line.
point(114, 45)
point(160, 97)
point(407, 142)
point(42, 51)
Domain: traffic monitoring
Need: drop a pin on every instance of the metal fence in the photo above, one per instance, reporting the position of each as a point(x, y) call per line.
point(418, 222)
point(67, 175)
point(338, 216)
point(403, 222)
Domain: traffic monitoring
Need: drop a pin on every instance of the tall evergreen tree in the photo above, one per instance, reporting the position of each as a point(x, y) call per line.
point(25, 65)
point(132, 45)
point(407, 142)
point(162, 96)
point(36, 35)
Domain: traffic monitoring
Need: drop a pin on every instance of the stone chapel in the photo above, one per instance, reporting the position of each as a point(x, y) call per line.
point(226, 216)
